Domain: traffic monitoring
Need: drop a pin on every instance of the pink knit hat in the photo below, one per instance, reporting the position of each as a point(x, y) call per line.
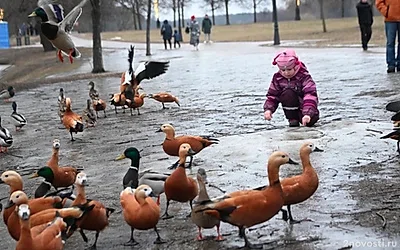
point(286, 59)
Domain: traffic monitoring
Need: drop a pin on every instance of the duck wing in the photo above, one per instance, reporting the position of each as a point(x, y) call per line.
point(150, 70)
point(54, 11)
point(69, 21)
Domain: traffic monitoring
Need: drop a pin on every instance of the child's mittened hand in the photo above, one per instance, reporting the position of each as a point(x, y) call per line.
point(306, 119)
point(268, 115)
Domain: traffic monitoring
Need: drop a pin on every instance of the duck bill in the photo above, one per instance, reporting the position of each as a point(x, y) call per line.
point(159, 130)
point(292, 162)
point(120, 157)
point(1, 182)
point(316, 149)
point(152, 195)
point(9, 204)
point(35, 175)
point(25, 216)
point(191, 152)
point(33, 14)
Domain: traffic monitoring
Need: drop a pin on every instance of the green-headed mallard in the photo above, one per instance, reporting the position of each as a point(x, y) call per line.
point(56, 28)
point(6, 94)
point(6, 139)
point(18, 119)
point(133, 179)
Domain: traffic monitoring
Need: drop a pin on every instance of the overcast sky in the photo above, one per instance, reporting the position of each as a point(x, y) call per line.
point(197, 9)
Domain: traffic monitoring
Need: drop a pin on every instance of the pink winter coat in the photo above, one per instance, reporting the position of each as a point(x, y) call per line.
point(302, 83)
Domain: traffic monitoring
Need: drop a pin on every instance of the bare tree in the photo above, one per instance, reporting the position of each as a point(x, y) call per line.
point(134, 7)
point(226, 2)
point(321, 6)
point(214, 4)
point(342, 10)
point(97, 49)
point(148, 53)
point(255, 4)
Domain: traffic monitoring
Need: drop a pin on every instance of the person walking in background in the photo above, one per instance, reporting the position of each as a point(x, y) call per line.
point(177, 39)
point(365, 20)
point(206, 26)
point(194, 28)
point(166, 32)
point(390, 9)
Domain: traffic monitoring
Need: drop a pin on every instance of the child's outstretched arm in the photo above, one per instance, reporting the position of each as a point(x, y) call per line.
point(273, 94)
point(310, 100)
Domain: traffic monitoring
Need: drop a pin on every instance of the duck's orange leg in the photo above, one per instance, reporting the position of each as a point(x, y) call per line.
point(71, 60)
point(158, 200)
point(60, 57)
point(199, 236)
point(219, 237)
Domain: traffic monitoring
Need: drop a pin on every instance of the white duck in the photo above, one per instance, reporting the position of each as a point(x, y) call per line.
point(18, 119)
point(6, 139)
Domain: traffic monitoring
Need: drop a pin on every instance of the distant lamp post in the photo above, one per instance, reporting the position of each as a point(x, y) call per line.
point(297, 15)
point(275, 18)
point(1, 14)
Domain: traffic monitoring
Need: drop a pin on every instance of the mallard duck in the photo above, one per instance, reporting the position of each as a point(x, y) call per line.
point(255, 207)
point(98, 104)
point(56, 28)
point(61, 104)
point(179, 187)
point(8, 93)
point(97, 218)
point(172, 143)
point(133, 179)
point(72, 121)
point(145, 70)
point(48, 238)
point(6, 139)
point(201, 219)
point(88, 115)
point(140, 211)
point(18, 119)
point(164, 97)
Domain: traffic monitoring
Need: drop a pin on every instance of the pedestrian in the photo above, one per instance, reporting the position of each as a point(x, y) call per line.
point(177, 39)
point(390, 9)
point(206, 26)
point(365, 20)
point(194, 28)
point(166, 32)
point(294, 88)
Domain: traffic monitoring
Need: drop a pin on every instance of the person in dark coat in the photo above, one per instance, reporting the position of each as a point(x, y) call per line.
point(206, 28)
point(166, 32)
point(365, 20)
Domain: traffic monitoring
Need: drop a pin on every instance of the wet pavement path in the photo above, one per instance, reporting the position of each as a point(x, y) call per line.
point(222, 89)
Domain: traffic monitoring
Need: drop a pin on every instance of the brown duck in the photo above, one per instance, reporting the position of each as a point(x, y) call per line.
point(172, 143)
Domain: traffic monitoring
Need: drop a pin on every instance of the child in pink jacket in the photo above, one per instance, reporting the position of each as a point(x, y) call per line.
point(294, 88)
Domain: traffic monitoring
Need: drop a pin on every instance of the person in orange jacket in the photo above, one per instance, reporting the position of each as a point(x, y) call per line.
point(390, 9)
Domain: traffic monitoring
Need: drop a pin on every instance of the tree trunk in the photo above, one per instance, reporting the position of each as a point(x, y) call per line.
point(213, 11)
point(97, 50)
point(227, 12)
point(135, 25)
point(174, 10)
point(321, 6)
point(183, 17)
point(179, 20)
point(148, 53)
point(138, 16)
point(342, 8)
point(255, 10)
